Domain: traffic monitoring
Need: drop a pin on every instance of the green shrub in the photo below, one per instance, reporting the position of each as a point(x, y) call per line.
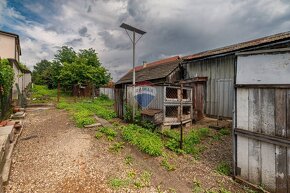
point(145, 140)
point(174, 145)
point(118, 183)
point(172, 134)
point(41, 93)
point(109, 132)
point(83, 117)
point(225, 131)
point(223, 168)
point(167, 165)
point(116, 147)
point(129, 160)
point(103, 97)
point(62, 105)
point(98, 135)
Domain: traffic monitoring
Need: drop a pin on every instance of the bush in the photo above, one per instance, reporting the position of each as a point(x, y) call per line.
point(109, 132)
point(103, 97)
point(83, 118)
point(41, 93)
point(223, 168)
point(145, 140)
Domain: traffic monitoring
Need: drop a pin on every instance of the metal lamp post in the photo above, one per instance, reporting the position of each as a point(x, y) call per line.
point(134, 42)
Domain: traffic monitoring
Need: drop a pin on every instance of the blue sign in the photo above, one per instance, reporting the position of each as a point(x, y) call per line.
point(144, 95)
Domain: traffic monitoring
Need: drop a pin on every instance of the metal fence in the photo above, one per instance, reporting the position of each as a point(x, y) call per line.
point(108, 92)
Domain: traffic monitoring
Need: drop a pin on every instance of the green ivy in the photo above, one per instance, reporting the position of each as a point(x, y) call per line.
point(6, 77)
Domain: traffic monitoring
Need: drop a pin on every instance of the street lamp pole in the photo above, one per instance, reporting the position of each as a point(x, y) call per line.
point(134, 42)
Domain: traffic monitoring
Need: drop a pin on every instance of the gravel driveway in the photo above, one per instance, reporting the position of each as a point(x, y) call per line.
point(53, 156)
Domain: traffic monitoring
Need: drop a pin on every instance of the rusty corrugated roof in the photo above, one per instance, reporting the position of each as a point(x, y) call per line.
point(154, 70)
point(239, 46)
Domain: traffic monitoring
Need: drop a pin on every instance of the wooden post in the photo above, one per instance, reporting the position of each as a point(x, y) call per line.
point(58, 91)
point(180, 115)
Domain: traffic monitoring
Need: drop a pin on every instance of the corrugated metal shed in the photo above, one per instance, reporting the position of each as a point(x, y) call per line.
point(219, 88)
point(218, 66)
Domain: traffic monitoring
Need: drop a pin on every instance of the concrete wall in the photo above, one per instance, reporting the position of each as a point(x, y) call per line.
point(8, 47)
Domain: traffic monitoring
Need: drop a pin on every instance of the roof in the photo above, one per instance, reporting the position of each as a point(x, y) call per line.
point(239, 46)
point(154, 70)
point(13, 61)
point(15, 36)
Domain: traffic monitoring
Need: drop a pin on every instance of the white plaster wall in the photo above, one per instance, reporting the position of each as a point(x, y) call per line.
point(7, 47)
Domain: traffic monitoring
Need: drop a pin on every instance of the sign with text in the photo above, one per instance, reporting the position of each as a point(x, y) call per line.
point(144, 95)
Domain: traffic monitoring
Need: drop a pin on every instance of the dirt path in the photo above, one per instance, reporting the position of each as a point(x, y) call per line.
point(53, 155)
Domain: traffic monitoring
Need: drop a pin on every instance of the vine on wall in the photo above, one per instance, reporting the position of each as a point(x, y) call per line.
point(6, 77)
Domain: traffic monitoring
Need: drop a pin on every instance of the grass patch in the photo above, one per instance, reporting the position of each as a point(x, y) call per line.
point(99, 135)
point(109, 132)
point(41, 94)
point(83, 117)
point(167, 165)
point(129, 160)
point(145, 140)
point(190, 142)
point(223, 168)
point(83, 111)
point(220, 133)
point(116, 147)
point(118, 183)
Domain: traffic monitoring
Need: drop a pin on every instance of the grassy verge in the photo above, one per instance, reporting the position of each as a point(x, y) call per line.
point(191, 141)
point(145, 140)
point(83, 111)
point(41, 94)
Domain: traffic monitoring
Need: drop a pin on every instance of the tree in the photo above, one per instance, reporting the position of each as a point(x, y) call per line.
point(40, 72)
point(65, 54)
point(71, 68)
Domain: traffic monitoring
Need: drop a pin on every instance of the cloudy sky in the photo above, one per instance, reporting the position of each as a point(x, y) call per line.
point(173, 27)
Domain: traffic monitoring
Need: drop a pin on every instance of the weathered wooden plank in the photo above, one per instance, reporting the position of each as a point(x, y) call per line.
point(267, 122)
point(268, 179)
point(280, 130)
point(281, 169)
point(243, 156)
point(288, 136)
point(242, 142)
point(242, 108)
point(254, 145)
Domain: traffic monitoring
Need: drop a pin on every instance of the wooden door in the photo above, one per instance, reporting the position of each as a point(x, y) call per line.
point(199, 89)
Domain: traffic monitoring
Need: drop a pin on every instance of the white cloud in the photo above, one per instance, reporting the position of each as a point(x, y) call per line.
point(174, 27)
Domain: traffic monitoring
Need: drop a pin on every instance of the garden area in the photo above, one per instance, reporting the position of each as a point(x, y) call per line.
point(152, 157)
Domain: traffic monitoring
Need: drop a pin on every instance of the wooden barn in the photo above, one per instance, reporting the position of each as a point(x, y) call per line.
point(218, 67)
point(262, 119)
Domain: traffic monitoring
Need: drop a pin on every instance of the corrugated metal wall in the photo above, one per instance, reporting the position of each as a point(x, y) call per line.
point(157, 102)
point(220, 90)
point(107, 91)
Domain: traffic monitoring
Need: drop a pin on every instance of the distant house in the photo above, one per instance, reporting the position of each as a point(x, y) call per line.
point(160, 102)
point(217, 67)
point(11, 50)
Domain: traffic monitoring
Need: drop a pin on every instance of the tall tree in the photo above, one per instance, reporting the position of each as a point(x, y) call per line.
point(65, 54)
point(40, 72)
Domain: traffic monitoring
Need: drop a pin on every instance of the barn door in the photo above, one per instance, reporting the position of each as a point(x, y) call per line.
point(262, 119)
point(199, 90)
point(263, 133)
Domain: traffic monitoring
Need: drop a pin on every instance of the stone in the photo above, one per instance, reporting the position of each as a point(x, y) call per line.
point(93, 125)
point(7, 130)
